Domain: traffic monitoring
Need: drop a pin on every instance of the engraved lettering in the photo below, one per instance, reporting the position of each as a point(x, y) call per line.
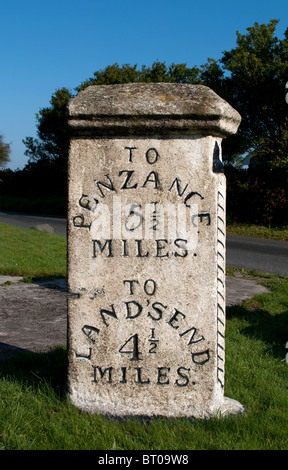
point(160, 247)
point(139, 250)
point(153, 346)
point(134, 224)
point(149, 290)
point(191, 194)
point(79, 221)
point(86, 203)
point(102, 373)
point(123, 379)
point(130, 152)
point(201, 357)
point(88, 330)
point(159, 375)
point(101, 248)
point(177, 183)
point(153, 342)
point(152, 178)
point(179, 243)
point(127, 180)
point(162, 375)
point(158, 311)
point(131, 285)
point(194, 331)
point(174, 318)
point(110, 186)
point(152, 156)
point(135, 349)
point(139, 378)
point(186, 379)
point(125, 253)
point(110, 313)
point(201, 216)
point(130, 313)
point(85, 357)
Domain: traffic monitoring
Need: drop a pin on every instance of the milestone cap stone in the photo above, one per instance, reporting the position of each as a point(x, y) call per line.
point(155, 108)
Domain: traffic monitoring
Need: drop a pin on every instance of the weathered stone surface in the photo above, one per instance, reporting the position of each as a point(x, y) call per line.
point(159, 108)
point(146, 250)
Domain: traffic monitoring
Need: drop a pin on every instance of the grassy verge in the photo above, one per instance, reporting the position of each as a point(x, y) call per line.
point(31, 252)
point(35, 412)
point(274, 233)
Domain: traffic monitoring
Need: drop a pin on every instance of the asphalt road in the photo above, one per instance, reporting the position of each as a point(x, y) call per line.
point(270, 256)
point(267, 256)
point(31, 220)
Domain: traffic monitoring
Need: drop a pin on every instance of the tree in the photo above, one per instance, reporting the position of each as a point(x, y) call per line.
point(158, 72)
point(252, 77)
point(113, 74)
point(52, 144)
point(255, 73)
point(4, 152)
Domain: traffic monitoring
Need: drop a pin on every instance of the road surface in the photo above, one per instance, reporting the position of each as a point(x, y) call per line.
point(267, 256)
point(270, 256)
point(31, 220)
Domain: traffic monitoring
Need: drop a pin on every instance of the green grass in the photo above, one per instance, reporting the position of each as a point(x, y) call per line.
point(250, 230)
point(31, 252)
point(36, 414)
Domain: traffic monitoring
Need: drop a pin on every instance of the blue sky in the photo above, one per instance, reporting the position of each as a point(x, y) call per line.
point(54, 44)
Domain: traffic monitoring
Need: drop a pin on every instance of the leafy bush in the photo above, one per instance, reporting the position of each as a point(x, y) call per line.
point(257, 196)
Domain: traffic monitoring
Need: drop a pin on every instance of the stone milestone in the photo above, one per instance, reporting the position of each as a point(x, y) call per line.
point(146, 250)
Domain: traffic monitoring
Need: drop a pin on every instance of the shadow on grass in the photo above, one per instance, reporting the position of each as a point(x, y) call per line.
point(33, 368)
point(271, 329)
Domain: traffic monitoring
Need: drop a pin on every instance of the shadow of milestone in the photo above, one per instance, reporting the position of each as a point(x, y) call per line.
point(271, 329)
point(8, 351)
point(58, 284)
point(50, 368)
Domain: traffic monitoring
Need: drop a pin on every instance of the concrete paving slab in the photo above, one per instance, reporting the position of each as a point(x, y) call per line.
point(10, 279)
point(239, 289)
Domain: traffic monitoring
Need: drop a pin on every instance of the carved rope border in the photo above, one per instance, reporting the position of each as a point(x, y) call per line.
point(221, 247)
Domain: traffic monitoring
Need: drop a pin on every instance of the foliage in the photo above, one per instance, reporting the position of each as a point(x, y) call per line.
point(53, 135)
point(158, 72)
point(46, 171)
point(38, 188)
point(255, 86)
point(257, 196)
point(4, 152)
